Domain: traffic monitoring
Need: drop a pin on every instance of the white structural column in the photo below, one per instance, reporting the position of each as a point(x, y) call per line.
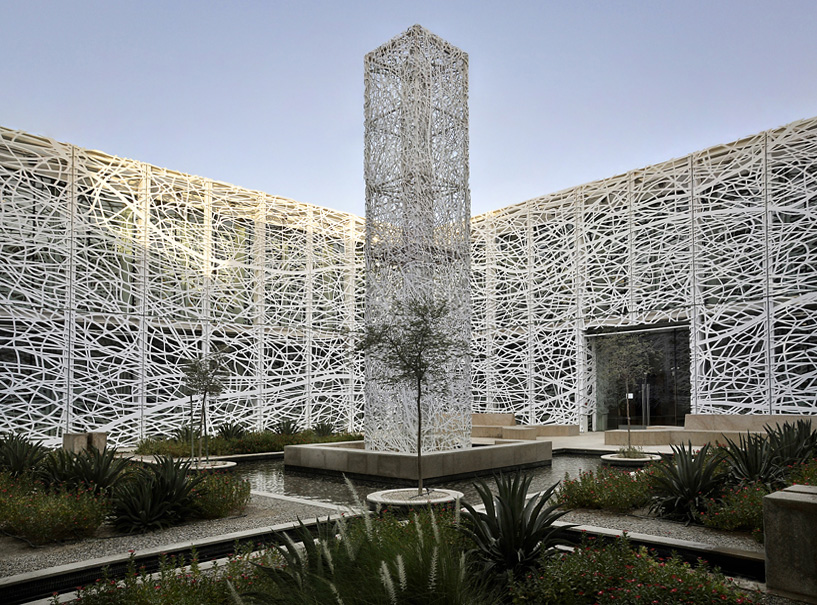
point(417, 224)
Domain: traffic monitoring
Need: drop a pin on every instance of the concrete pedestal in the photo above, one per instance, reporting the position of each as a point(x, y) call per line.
point(79, 442)
point(790, 528)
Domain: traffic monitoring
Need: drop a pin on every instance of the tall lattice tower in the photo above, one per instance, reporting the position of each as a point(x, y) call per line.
point(417, 225)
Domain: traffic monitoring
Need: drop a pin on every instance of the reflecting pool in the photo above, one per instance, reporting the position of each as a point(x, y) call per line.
point(270, 476)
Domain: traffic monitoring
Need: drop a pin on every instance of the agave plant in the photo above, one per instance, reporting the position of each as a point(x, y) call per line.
point(156, 497)
point(99, 471)
point(512, 532)
point(683, 484)
point(184, 434)
point(751, 461)
point(323, 429)
point(56, 468)
point(231, 431)
point(286, 426)
point(19, 455)
point(792, 444)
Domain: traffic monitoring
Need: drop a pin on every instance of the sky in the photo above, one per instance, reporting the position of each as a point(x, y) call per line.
point(268, 95)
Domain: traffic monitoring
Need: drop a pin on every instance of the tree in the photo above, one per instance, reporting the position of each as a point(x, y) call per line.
point(204, 376)
point(414, 344)
point(626, 359)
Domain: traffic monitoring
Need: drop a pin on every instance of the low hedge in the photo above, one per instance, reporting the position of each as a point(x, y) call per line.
point(250, 443)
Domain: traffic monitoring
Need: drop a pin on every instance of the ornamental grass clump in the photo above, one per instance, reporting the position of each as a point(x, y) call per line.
point(616, 572)
point(376, 559)
point(607, 488)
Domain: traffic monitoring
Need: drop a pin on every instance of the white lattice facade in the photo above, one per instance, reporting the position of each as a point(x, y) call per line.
point(723, 240)
point(417, 237)
point(113, 272)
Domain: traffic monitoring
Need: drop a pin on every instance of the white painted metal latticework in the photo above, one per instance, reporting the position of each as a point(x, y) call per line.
point(417, 236)
point(723, 241)
point(113, 272)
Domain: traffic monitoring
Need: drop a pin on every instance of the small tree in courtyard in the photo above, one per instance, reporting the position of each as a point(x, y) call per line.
point(414, 346)
point(204, 376)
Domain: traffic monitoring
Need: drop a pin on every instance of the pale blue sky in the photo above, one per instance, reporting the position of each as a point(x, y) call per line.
point(269, 95)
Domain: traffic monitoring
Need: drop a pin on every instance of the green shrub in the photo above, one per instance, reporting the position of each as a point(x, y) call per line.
point(607, 488)
point(512, 532)
point(630, 451)
point(220, 495)
point(19, 455)
point(682, 485)
point(29, 512)
point(156, 497)
point(218, 446)
point(250, 443)
point(738, 509)
point(617, 573)
point(190, 586)
point(803, 474)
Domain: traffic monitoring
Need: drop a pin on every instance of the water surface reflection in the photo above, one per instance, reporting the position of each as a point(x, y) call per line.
point(269, 476)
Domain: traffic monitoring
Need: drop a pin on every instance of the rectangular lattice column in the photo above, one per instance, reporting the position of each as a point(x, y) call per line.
point(417, 223)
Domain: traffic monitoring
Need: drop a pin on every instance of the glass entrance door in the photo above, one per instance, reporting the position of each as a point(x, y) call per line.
point(643, 374)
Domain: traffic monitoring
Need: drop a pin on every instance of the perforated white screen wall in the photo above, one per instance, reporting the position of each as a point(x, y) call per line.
point(112, 271)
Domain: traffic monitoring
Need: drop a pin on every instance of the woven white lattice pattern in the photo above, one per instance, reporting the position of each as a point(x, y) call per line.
point(417, 236)
point(723, 240)
point(113, 272)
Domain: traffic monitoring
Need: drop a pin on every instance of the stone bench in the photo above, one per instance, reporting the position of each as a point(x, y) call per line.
point(700, 429)
point(490, 425)
point(496, 425)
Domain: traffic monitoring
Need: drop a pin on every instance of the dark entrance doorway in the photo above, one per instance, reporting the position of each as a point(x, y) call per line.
point(647, 367)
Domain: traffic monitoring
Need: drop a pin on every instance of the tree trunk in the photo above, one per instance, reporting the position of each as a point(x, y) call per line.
point(419, 442)
point(201, 423)
point(627, 397)
point(192, 431)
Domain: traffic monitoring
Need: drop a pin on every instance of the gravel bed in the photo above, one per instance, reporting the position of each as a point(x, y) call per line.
point(17, 557)
point(645, 524)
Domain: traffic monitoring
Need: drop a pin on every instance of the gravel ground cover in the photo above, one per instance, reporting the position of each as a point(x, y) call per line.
point(264, 511)
point(17, 557)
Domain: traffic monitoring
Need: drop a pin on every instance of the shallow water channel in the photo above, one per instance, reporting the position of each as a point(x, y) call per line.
point(270, 476)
